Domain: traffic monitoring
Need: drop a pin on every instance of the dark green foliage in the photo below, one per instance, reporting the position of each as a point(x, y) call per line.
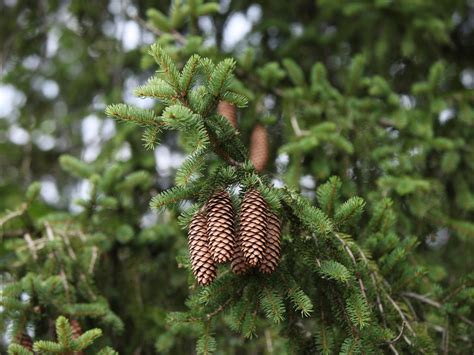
point(66, 342)
point(369, 110)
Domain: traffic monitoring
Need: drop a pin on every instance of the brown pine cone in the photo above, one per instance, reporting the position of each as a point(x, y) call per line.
point(253, 226)
point(24, 340)
point(229, 111)
point(76, 328)
point(259, 147)
point(202, 264)
point(220, 226)
point(271, 257)
point(239, 266)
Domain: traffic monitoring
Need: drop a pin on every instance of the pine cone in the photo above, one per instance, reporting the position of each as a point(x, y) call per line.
point(76, 332)
point(253, 226)
point(76, 328)
point(24, 340)
point(239, 266)
point(220, 226)
point(202, 264)
point(271, 257)
point(229, 111)
point(259, 147)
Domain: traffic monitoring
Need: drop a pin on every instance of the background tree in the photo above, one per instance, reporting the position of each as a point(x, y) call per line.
point(368, 107)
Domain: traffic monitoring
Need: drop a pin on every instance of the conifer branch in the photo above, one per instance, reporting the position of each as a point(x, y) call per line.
point(176, 35)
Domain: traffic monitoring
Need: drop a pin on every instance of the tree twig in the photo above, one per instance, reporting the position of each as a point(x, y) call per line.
point(354, 261)
point(296, 127)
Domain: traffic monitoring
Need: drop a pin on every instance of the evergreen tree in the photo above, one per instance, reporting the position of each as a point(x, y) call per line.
point(321, 195)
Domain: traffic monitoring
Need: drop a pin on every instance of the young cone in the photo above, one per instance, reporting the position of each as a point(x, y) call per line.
point(239, 266)
point(253, 226)
point(76, 332)
point(259, 147)
point(24, 340)
point(220, 226)
point(229, 111)
point(76, 328)
point(202, 264)
point(271, 257)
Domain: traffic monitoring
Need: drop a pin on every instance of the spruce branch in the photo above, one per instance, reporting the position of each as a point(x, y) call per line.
point(176, 35)
point(354, 261)
point(127, 113)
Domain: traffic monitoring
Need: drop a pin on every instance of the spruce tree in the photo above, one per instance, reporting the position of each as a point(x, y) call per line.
point(320, 201)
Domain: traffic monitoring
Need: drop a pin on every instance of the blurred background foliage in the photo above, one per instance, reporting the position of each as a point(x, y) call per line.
point(395, 80)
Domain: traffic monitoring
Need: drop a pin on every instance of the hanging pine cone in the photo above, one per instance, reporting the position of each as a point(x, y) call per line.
point(229, 111)
point(259, 147)
point(202, 264)
point(24, 340)
point(253, 226)
point(220, 226)
point(271, 257)
point(239, 266)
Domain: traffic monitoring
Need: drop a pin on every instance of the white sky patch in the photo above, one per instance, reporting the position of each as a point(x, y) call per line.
point(415, 151)
point(108, 27)
point(31, 62)
point(52, 42)
point(269, 102)
point(91, 152)
point(115, 7)
point(149, 219)
point(282, 161)
point(44, 142)
point(49, 190)
point(81, 190)
point(177, 159)
point(18, 135)
point(130, 36)
point(237, 27)
point(147, 38)
point(254, 13)
point(224, 6)
point(11, 99)
point(163, 160)
point(90, 128)
point(94, 132)
point(50, 89)
point(205, 24)
point(108, 128)
point(407, 101)
point(296, 29)
point(467, 78)
point(277, 183)
point(98, 103)
point(124, 153)
point(438, 239)
point(307, 182)
point(130, 84)
point(446, 115)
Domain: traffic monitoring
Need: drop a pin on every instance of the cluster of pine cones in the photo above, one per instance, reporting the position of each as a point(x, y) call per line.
point(212, 239)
